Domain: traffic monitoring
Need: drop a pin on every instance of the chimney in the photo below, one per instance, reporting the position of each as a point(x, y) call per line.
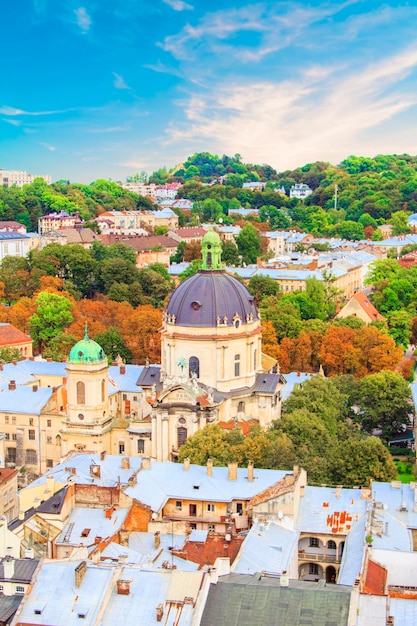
point(21, 515)
point(80, 572)
point(35, 388)
point(390, 620)
point(8, 566)
point(284, 579)
point(156, 540)
point(73, 471)
point(123, 369)
point(146, 462)
point(232, 471)
point(186, 464)
point(12, 385)
point(95, 470)
point(302, 489)
point(125, 463)
point(123, 587)
point(338, 491)
point(29, 553)
point(159, 612)
point(209, 467)
point(102, 455)
point(109, 512)
point(250, 471)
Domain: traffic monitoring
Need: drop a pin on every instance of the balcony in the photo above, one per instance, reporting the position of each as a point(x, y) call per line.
point(314, 556)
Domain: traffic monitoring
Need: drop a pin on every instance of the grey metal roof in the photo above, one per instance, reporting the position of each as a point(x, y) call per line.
point(55, 503)
point(260, 601)
point(8, 607)
point(149, 376)
point(267, 382)
point(23, 570)
point(209, 295)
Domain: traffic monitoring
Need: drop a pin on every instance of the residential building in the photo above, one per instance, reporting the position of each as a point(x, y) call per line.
point(13, 338)
point(58, 221)
point(8, 493)
point(300, 191)
point(150, 249)
point(9, 178)
point(254, 186)
point(15, 244)
point(360, 306)
point(142, 189)
point(167, 191)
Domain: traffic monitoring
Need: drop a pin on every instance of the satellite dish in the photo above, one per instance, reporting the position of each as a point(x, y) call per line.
point(280, 514)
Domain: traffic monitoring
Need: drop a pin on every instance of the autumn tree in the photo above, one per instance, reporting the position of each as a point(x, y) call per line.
point(140, 332)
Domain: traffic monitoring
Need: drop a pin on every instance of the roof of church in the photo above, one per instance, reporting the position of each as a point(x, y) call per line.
point(87, 351)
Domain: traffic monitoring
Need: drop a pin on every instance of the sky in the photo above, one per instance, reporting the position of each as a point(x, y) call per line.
point(106, 88)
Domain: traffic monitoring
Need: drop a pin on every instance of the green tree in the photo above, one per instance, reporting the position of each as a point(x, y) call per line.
point(362, 460)
point(262, 287)
point(399, 324)
point(249, 244)
point(113, 345)
point(399, 223)
point(7, 355)
point(208, 443)
point(230, 253)
point(384, 403)
point(53, 315)
point(59, 347)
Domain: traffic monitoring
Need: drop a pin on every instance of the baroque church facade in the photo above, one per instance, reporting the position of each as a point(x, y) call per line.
point(212, 371)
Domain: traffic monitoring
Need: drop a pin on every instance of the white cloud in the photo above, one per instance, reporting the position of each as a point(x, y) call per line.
point(12, 111)
point(321, 114)
point(48, 146)
point(119, 82)
point(83, 19)
point(109, 129)
point(179, 5)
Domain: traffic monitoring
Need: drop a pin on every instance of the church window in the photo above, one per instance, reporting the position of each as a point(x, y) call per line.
point(237, 364)
point(31, 457)
point(182, 420)
point(103, 390)
point(141, 446)
point(80, 392)
point(181, 436)
point(194, 367)
point(237, 323)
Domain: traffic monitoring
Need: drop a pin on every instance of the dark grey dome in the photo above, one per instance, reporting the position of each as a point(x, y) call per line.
point(211, 298)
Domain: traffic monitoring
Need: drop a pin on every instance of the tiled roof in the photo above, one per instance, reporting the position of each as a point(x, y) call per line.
point(376, 579)
point(140, 244)
point(5, 474)
point(11, 335)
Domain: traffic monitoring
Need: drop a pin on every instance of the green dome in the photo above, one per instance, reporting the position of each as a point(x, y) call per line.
point(87, 351)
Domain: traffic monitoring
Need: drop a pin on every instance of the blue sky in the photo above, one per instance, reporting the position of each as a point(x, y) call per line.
point(104, 88)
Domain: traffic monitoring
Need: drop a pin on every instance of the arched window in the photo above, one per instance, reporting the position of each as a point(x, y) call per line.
point(181, 436)
point(331, 545)
point(103, 390)
point(237, 364)
point(194, 367)
point(80, 392)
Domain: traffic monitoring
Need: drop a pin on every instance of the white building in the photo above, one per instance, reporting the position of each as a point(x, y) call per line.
point(9, 178)
point(300, 191)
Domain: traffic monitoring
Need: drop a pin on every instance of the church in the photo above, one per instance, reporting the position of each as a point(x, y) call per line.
point(212, 371)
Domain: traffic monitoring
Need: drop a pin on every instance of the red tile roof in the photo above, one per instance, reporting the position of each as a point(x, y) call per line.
point(140, 244)
point(376, 579)
point(5, 474)
point(9, 335)
point(206, 553)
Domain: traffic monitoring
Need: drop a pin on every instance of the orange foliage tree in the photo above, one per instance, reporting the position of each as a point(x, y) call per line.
point(140, 332)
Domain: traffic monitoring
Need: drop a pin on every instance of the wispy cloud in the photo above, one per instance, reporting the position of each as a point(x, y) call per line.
point(48, 146)
point(109, 129)
point(13, 112)
point(119, 82)
point(179, 5)
point(83, 19)
point(313, 116)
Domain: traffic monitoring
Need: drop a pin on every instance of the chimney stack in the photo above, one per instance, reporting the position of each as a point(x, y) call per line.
point(102, 455)
point(250, 471)
point(125, 463)
point(35, 388)
point(8, 566)
point(209, 467)
point(186, 464)
point(157, 540)
point(123, 369)
point(146, 462)
point(338, 491)
point(232, 471)
point(12, 385)
point(80, 572)
point(284, 579)
point(123, 587)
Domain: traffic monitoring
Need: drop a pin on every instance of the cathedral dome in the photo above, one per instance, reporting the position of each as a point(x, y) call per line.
point(87, 351)
point(211, 297)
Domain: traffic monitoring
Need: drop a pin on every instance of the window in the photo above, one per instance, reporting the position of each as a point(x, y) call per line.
point(14, 436)
point(6, 419)
point(193, 526)
point(237, 364)
point(313, 568)
point(255, 359)
point(20, 589)
point(178, 505)
point(13, 419)
point(181, 436)
point(6, 497)
point(31, 457)
point(194, 367)
point(121, 447)
point(314, 542)
point(31, 435)
point(135, 398)
point(49, 440)
point(30, 421)
point(331, 545)
point(49, 423)
point(49, 463)
point(80, 392)
point(211, 507)
point(1, 588)
point(241, 407)
point(103, 390)
point(141, 446)
point(124, 397)
point(11, 455)
point(239, 508)
point(211, 528)
point(11, 494)
point(7, 436)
